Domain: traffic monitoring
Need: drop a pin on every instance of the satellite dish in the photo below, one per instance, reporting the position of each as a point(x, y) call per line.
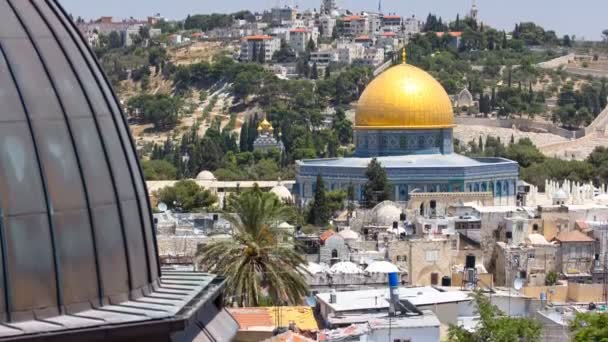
point(518, 283)
point(162, 207)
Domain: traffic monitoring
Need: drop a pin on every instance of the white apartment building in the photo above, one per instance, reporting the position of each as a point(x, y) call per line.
point(411, 26)
point(391, 23)
point(373, 56)
point(375, 24)
point(348, 52)
point(251, 47)
point(324, 57)
point(299, 38)
point(356, 25)
point(327, 25)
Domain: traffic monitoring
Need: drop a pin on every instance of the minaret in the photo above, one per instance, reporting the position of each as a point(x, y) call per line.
point(380, 6)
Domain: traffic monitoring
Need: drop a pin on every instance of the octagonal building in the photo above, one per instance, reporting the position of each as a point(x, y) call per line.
point(404, 118)
point(78, 251)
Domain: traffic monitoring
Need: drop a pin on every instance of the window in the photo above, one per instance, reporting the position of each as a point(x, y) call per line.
point(434, 278)
point(334, 253)
point(531, 255)
point(432, 256)
point(454, 244)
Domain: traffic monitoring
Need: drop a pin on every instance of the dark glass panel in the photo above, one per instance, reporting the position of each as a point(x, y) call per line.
point(20, 185)
point(94, 166)
point(117, 159)
point(64, 182)
point(30, 263)
point(75, 253)
point(135, 243)
point(65, 82)
point(12, 109)
point(9, 25)
point(37, 92)
point(110, 248)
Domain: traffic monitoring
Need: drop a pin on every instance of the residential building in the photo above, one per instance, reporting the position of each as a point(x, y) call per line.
point(365, 40)
point(376, 23)
point(355, 25)
point(454, 38)
point(299, 38)
point(254, 46)
point(529, 260)
point(389, 41)
point(411, 26)
point(324, 57)
point(576, 255)
point(327, 24)
point(130, 34)
point(373, 56)
point(348, 52)
point(425, 260)
point(391, 23)
point(281, 15)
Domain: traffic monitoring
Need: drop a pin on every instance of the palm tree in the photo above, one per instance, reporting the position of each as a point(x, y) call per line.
point(256, 264)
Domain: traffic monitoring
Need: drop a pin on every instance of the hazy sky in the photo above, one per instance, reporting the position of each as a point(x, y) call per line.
point(584, 18)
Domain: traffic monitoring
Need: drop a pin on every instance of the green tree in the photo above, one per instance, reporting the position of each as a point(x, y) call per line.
point(114, 40)
point(335, 200)
point(343, 127)
point(255, 262)
point(377, 188)
point(186, 196)
point(551, 278)
point(155, 170)
point(524, 153)
point(320, 213)
point(494, 326)
point(590, 326)
point(314, 72)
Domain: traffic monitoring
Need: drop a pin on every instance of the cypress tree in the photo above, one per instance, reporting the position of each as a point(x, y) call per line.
point(327, 72)
point(319, 214)
point(314, 72)
point(493, 99)
point(244, 137)
point(480, 144)
point(603, 95)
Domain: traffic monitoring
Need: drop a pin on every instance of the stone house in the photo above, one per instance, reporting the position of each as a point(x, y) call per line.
point(575, 255)
point(530, 260)
point(333, 249)
point(426, 260)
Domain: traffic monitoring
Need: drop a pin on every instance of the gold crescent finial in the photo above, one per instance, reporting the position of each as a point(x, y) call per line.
point(403, 56)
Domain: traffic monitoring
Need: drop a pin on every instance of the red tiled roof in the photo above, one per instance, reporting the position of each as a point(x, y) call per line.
point(289, 336)
point(452, 34)
point(326, 234)
point(363, 38)
point(259, 37)
point(299, 30)
point(392, 17)
point(251, 317)
point(573, 236)
point(352, 17)
point(389, 34)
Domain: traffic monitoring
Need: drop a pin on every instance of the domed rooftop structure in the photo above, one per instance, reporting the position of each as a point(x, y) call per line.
point(382, 267)
point(561, 195)
point(348, 234)
point(345, 267)
point(205, 176)
point(77, 233)
point(404, 96)
point(385, 213)
point(282, 193)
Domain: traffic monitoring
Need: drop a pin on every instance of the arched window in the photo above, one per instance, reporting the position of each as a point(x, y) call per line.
point(422, 209)
point(334, 253)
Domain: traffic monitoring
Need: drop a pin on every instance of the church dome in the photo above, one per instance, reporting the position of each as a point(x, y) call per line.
point(205, 176)
point(77, 224)
point(404, 97)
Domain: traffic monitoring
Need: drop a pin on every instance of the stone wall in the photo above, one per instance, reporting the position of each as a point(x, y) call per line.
point(522, 125)
point(412, 256)
point(559, 295)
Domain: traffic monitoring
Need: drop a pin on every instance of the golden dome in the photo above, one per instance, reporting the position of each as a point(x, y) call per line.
point(265, 126)
point(404, 96)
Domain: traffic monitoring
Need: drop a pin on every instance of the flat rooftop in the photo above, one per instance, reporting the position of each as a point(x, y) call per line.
point(378, 298)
